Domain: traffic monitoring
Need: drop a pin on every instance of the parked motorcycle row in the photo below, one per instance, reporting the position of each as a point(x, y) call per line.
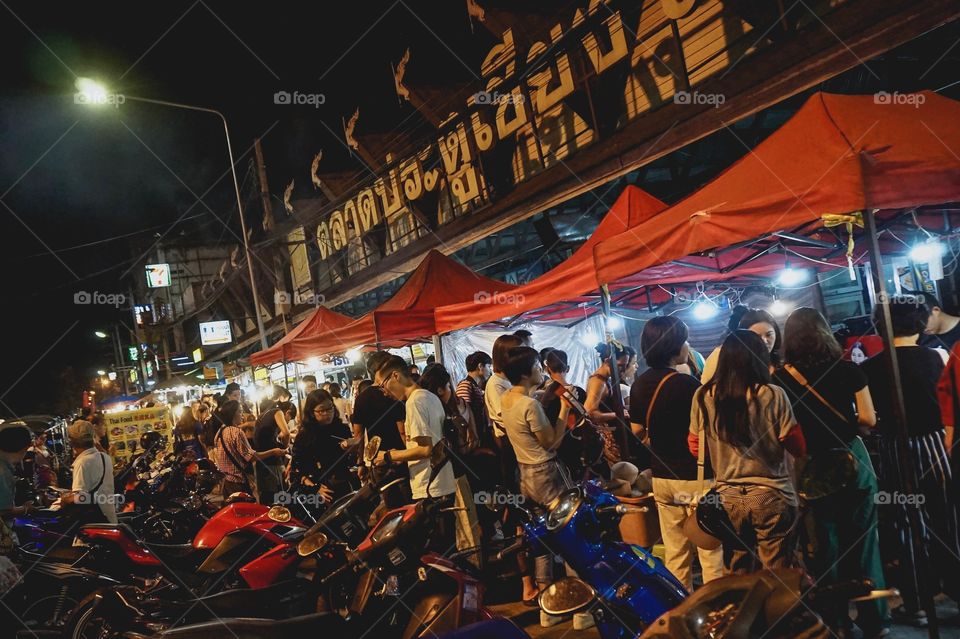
point(177, 568)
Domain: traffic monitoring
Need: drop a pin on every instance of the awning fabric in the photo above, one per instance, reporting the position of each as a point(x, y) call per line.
point(838, 154)
point(572, 278)
point(320, 321)
point(409, 315)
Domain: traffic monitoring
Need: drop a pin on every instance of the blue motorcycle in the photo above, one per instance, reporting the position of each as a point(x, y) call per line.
point(625, 587)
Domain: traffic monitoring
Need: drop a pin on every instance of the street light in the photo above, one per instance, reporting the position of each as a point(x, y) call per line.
point(100, 334)
point(92, 92)
point(101, 372)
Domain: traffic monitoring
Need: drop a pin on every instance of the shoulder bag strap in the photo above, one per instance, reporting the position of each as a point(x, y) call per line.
point(653, 400)
point(226, 450)
point(103, 474)
point(797, 375)
point(701, 447)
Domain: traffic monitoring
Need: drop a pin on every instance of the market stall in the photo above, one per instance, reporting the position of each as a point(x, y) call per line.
point(319, 322)
point(408, 316)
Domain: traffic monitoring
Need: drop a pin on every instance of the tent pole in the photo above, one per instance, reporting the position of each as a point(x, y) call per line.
point(438, 349)
point(616, 396)
point(919, 563)
point(296, 382)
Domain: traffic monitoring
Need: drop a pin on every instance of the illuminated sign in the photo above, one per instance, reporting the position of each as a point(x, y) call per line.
point(530, 113)
point(213, 333)
point(197, 355)
point(132, 353)
point(158, 275)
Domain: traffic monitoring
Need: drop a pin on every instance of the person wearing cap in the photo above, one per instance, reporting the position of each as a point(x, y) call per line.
point(92, 475)
point(14, 441)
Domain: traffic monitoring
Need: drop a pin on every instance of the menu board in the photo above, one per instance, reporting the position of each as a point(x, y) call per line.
point(124, 429)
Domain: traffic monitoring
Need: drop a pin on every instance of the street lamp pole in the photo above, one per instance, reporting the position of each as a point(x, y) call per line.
point(236, 189)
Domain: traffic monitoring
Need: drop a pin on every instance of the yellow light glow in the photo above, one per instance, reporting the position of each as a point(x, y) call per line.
point(91, 91)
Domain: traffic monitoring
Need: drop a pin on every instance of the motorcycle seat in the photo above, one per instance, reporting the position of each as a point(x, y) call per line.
point(175, 552)
point(249, 628)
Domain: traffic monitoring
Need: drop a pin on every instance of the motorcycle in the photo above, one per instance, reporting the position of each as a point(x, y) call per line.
point(397, 588)
point(629, 588)
point(771, 604)
point(170, 498)
point(244, 558)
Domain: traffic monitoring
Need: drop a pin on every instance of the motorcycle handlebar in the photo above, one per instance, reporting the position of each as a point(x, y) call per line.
point(621, 509)
point(512, 548)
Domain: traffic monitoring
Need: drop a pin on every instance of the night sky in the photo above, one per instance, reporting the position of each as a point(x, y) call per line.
point(72, 175)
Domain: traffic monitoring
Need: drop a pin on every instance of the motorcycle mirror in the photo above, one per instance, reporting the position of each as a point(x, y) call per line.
point(567, 596)
point(371, 449)
point(279, 514)
point(311, 544)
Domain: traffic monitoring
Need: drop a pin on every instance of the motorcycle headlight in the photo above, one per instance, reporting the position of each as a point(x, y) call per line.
point(564, 509)
point(279, 514)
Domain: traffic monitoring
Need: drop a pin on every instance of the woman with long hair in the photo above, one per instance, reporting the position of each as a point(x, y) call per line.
point(319, 465)
point(765, 326)
point(748, 426)
point(231, 451)
point(831, 400)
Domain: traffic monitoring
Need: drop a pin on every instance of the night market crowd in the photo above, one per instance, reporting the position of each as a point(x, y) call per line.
point(790, 446)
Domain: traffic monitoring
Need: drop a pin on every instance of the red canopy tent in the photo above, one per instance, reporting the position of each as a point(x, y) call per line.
point(567, 282)
point(408, 315)
point(837, 155)
point(321, 320)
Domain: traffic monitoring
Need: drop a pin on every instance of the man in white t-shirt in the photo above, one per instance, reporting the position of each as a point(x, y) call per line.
point(424, 430)
point(92, 473)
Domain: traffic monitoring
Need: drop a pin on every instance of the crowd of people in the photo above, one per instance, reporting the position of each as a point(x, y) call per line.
point(795, 445)
point(787, 451)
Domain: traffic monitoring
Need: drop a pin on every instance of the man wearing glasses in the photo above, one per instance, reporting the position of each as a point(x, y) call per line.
point(376, 413)
point(424, 430)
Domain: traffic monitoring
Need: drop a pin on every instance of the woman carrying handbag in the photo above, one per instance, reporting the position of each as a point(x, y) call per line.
point(831, 400)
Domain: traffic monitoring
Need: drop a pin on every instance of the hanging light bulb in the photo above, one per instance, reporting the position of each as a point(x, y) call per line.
point(792, 277)
point(779, 308)
point(927, 251)
point(704, 309)
point(614, 322)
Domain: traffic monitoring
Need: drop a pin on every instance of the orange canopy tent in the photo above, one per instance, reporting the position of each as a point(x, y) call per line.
point(837, 155)
point(408, 315)
point(321, 320)
point(572, 278)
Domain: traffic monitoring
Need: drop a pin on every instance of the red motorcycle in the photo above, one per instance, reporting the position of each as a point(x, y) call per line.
point(396, 588)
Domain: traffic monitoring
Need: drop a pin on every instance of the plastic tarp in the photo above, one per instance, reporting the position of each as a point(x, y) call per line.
point(838, 154)
point(572, 278)
point(577, 341)
point(408, 315)
point(319, 321)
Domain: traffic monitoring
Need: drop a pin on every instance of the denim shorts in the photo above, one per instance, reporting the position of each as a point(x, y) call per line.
point(544, 482)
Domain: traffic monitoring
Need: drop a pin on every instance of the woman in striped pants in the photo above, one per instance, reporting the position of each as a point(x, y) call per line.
point(915, 480)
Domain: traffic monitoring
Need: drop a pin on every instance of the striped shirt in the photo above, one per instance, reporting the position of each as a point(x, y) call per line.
point(470, 391)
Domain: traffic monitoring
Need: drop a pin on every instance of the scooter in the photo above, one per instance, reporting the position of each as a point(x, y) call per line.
point(771, 604)
point(627, 587)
